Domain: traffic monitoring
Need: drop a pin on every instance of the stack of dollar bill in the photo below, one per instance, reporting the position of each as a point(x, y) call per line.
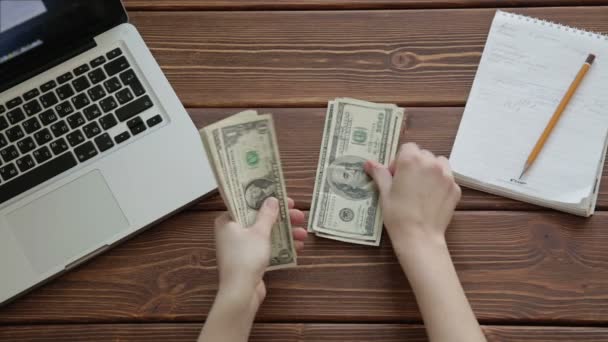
point(244, 155)
point(345, 203)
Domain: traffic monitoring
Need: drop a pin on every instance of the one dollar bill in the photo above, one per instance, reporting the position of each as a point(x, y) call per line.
point(345, 204)
point(244, 154)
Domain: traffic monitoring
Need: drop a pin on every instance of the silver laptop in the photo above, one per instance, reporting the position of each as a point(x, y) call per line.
point(94, 143)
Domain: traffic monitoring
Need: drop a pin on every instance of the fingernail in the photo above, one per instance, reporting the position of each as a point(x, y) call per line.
point(271, 203)
point(372, 164)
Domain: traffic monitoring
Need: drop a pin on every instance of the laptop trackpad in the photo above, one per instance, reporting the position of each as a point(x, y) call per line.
point(67, 222)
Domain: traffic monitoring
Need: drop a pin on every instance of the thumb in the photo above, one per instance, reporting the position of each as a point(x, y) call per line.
point(267, 216)
point(381, 175)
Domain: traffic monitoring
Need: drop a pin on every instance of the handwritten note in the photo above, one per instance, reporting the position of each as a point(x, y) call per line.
point(526, 68)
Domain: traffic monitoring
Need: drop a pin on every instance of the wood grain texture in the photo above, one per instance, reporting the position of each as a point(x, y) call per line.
point(304, 58)
point(198, 5)
point(292, 332)
point(300, 134)
point(535, 268)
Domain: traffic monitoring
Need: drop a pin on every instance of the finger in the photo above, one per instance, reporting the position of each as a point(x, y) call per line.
point(380, 174)
point(299, 245)
point(407, 150)
point(408, 153)
point(392, 168)
point(267, 216)
point(222, 220)
point(299, 234)
point(445, 164)
point(427, 154)
point(290, 203)
point(296, 217)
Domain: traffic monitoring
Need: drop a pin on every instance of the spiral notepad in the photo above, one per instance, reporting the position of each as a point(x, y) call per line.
point(525, 69)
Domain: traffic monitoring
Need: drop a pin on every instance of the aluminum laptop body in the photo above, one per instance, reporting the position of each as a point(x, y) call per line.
point(94, 143)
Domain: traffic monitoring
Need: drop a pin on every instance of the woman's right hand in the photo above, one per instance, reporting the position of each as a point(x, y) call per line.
point(418, 196)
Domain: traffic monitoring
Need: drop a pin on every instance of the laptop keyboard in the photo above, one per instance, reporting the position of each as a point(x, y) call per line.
point(66, 121)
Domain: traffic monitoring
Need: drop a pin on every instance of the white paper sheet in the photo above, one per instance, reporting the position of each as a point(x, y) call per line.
point(525, 70)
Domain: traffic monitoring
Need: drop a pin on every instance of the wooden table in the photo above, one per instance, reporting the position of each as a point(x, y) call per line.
point(531, 274)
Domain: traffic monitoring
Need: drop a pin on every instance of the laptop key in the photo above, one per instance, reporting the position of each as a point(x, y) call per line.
point(42, 154)
point(7, 172)
point(75, 120)
point(14, 133)
point(155, 120)
point(133, 108)
point(64, 108)
point(81, 83)
point(48, 99)
point(75, 138)
point(25, 163)
point(96, 93)
point(97, 76)
point(3, 123)
point(31, 125)
point(98, 61)
point(48, 86)
point(48, 117)
point(112, 85)
point(36, 176)
point(42, 137)
point(31, 94)
point(91, 129)
point(65, 91)
point(26, 145)
point(2, 109)
point(80, 100)
point(81, 69)
point(85, 151)
point(104, 142)
point(65, 77)
point(122, 137)
point(92, 112)
point(114, 53)
point(9, 154)
point(116, 66)
point(59, 146)
point(108, 121)
point(14, 103)
point(3, 141)
point(137, 87)
point(124, 96)
point(108, 104)
point(32, 107)
point(16, 115)
point(136, 125)
point(59, 128)
point(128, 76)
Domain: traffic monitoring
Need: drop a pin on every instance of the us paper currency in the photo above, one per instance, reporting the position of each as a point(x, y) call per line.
point(345, 203)
point(244, 154)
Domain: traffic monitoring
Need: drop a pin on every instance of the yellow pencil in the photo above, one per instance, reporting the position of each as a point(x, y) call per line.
point(558, 113)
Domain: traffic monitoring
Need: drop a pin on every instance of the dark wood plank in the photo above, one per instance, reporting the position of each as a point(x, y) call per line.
point(198, 5)
point(304, 58)
point(516, 267)
point(300, 133)
point(288, 333)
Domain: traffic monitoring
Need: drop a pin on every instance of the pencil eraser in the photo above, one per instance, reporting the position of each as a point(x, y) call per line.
point(590, 58)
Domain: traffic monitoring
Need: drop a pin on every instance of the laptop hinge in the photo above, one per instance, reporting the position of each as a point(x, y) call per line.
point(73, 51)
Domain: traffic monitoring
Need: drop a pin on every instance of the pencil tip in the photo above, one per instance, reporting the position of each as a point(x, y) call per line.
point(590, 59)
point(524, 171)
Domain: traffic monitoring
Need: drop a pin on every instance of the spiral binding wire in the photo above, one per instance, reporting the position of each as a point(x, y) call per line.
point(566, 28)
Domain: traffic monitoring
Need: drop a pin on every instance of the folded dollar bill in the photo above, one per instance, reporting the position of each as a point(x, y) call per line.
point(244, 155)
point(345, 204)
